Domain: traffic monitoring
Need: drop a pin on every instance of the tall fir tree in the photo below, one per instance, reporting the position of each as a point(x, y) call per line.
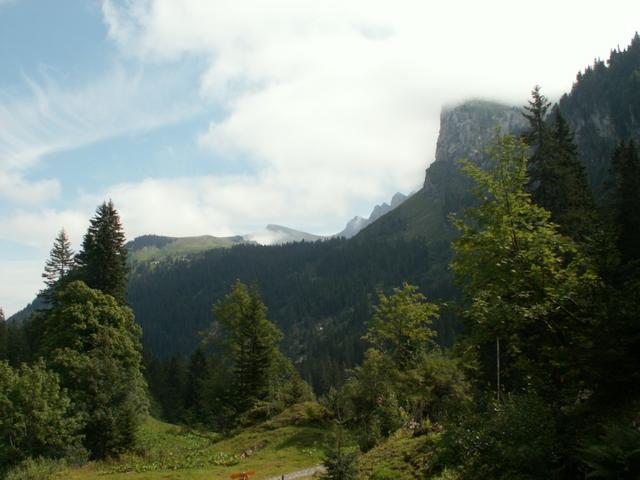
point(625, 199)
point(250, 340)
point(197, 373)
point(4, 352)
point(536, 114)
point(572, 205)
point(557, 179)
point(103, 258)
point(59, 265)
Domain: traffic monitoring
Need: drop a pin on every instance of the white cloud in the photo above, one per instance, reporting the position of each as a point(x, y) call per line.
point(337, 103)
point(21, 281)
point(15, 188)
point(39, 228)
point(230, 205)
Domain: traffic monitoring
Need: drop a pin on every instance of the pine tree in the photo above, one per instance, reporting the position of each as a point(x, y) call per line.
point(59, 265)
point(625, 199)
point(197, 373)
point(341, 463)
point(103, 258)
point(3, 337)
point(557, 179)
point(571, 204)
point(250, 340)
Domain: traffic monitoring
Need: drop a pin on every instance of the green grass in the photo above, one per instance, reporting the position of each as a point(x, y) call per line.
point(400, 457)
point(292, 441)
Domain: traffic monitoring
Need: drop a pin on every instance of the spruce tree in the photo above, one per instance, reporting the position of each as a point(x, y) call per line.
point(341, 463)
point(571, 205)
point(172, 398)
point(536, 113)
point(557, 179)
point(250, 341)
point(103, 258)
point(60, 263)
point(197, 373)
point(3, 337)
point(625, 199)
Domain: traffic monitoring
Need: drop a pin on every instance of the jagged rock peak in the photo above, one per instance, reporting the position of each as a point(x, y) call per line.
point(358, 223)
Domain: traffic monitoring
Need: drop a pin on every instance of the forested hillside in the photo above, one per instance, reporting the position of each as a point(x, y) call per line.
point(603, 108)
point(320, 293)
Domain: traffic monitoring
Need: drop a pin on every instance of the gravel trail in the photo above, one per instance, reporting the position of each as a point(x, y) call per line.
point(299, 474)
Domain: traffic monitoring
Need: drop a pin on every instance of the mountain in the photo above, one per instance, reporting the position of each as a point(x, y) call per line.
point(153, 248)
point(320, 293)
point(278, 235)
point(603, 108)
point(465, 132)
point(356, 224)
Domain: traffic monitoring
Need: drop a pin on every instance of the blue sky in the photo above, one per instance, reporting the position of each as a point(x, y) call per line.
point(218, 117)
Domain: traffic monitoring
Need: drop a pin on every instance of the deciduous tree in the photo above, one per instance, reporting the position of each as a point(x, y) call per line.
point(92, 342)
point(523, 281)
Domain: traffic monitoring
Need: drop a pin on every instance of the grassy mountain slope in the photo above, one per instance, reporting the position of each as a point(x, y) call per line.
point(150, 248)
point(290, 442)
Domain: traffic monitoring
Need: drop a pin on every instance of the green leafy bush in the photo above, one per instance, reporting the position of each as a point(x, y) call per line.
point(515, 439)
point(35, 418)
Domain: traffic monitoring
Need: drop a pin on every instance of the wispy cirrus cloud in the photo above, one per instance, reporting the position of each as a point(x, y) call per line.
point(51, 117)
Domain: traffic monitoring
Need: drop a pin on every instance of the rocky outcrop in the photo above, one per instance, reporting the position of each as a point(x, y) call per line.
point(467, 129)
point(356, 224)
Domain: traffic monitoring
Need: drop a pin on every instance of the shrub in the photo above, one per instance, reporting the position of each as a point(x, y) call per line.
point(35, 469)
point(35, 417)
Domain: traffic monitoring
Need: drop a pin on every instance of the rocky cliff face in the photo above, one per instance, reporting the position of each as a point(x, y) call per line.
point(467, 129)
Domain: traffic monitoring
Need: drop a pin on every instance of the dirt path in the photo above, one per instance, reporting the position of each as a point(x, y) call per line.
point(299, 474)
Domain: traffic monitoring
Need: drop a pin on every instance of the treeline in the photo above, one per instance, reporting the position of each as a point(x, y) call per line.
point(319, 294)
point(604, 109)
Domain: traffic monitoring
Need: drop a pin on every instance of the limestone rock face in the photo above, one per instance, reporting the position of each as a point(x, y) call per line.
point(467, 129)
